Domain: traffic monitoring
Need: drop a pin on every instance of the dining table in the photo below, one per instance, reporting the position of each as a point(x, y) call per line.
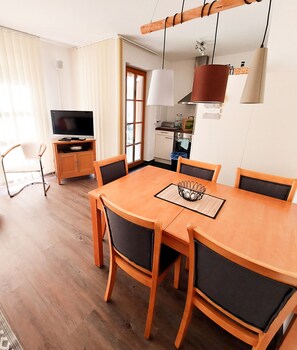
point(260, 228)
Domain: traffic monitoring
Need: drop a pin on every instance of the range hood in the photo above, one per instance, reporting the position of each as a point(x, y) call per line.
point(199, 61)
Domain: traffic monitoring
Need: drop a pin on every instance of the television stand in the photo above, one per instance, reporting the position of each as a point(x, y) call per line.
point(74, 158)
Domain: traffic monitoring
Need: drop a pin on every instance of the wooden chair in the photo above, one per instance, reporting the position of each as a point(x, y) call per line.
point(206, 171)
point(266, 184)
point(110, 169)
point(24, 158)
point(135, 246)
point(244, 298)
point(202, 170)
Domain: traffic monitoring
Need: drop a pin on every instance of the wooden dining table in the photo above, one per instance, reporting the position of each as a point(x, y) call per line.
point(259, 227)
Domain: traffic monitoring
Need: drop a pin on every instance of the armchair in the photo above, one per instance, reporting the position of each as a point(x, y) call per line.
point(31, 162)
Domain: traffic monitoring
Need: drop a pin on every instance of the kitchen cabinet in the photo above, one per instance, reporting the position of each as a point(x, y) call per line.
point(163, 145)
point(74, 158)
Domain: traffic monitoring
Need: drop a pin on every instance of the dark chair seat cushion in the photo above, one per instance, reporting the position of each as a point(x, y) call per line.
point(202, 173)
point(267, 188)
point(253, 298)
point(113, 171)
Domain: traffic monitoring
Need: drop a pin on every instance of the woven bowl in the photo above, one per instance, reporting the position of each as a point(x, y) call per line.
point(191, 190)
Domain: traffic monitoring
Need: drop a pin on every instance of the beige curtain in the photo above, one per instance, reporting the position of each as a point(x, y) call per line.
point(97, 74)
point(23, 112)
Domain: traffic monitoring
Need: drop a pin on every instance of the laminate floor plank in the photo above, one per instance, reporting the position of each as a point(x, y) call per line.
point(52, 293)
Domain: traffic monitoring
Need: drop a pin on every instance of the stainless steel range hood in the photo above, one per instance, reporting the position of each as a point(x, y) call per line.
point(199, 61)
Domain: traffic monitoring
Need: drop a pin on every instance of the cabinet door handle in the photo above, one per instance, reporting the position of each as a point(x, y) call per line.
point(169, 138)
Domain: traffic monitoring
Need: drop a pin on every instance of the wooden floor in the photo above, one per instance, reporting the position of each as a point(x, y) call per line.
point(52, 294)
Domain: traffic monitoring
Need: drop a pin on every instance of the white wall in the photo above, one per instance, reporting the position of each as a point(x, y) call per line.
point(183, 81)
point(236, 59)
point(222, 141)
point(57, 82)
point(261, 137)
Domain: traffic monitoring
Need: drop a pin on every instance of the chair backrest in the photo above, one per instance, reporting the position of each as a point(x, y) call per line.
point(236, 286)
point(136, 239)
point(266, 184)
point(195, 168)
point(108, 170)
point(33, 150)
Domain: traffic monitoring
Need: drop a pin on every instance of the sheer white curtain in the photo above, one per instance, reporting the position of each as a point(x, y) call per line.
point(97, 70)
point(23, 112)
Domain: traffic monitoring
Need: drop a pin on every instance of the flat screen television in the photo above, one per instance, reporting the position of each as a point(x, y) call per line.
point(75, 124)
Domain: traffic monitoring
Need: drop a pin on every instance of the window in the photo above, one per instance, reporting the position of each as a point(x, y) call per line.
point(16, 114)
point(23, 113)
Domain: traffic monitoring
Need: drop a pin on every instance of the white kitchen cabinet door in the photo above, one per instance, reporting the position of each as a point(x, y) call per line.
point(163, 144)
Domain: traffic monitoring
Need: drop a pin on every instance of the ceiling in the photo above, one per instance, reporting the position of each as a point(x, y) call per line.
point(80, 22)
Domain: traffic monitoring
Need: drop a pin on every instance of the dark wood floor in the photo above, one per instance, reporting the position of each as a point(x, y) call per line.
point(52, 294)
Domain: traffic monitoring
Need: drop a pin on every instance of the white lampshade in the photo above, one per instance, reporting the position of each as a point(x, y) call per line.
point(161, 88)
point(255, 84)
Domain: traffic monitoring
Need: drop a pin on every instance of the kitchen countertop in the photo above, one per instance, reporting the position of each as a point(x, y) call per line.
point(173, 129)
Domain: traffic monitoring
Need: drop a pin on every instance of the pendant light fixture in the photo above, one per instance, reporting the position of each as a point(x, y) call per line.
point(194, 13)
point(161, 87)
point(210, 81)
point(255, 84)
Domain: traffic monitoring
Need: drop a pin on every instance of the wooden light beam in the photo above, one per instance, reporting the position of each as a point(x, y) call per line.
point(208, 9)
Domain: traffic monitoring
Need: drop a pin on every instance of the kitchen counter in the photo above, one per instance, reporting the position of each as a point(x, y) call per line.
point(173, 129)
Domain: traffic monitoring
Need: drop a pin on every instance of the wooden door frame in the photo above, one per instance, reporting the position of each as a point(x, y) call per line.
point(143, 73)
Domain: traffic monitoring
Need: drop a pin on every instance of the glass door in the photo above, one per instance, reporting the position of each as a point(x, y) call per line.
point(134, 122)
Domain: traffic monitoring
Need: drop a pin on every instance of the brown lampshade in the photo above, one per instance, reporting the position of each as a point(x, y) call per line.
point(210, 82)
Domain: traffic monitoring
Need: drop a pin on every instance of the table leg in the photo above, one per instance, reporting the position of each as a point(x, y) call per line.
point(97, 234)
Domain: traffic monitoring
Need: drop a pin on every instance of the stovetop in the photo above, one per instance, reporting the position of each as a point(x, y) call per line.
point(169, 125)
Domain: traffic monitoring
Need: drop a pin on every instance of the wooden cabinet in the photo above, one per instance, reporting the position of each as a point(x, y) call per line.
point(74, 158)
point(163, 145)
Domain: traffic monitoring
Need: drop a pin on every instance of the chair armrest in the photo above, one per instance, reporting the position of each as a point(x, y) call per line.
point(9, 150)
